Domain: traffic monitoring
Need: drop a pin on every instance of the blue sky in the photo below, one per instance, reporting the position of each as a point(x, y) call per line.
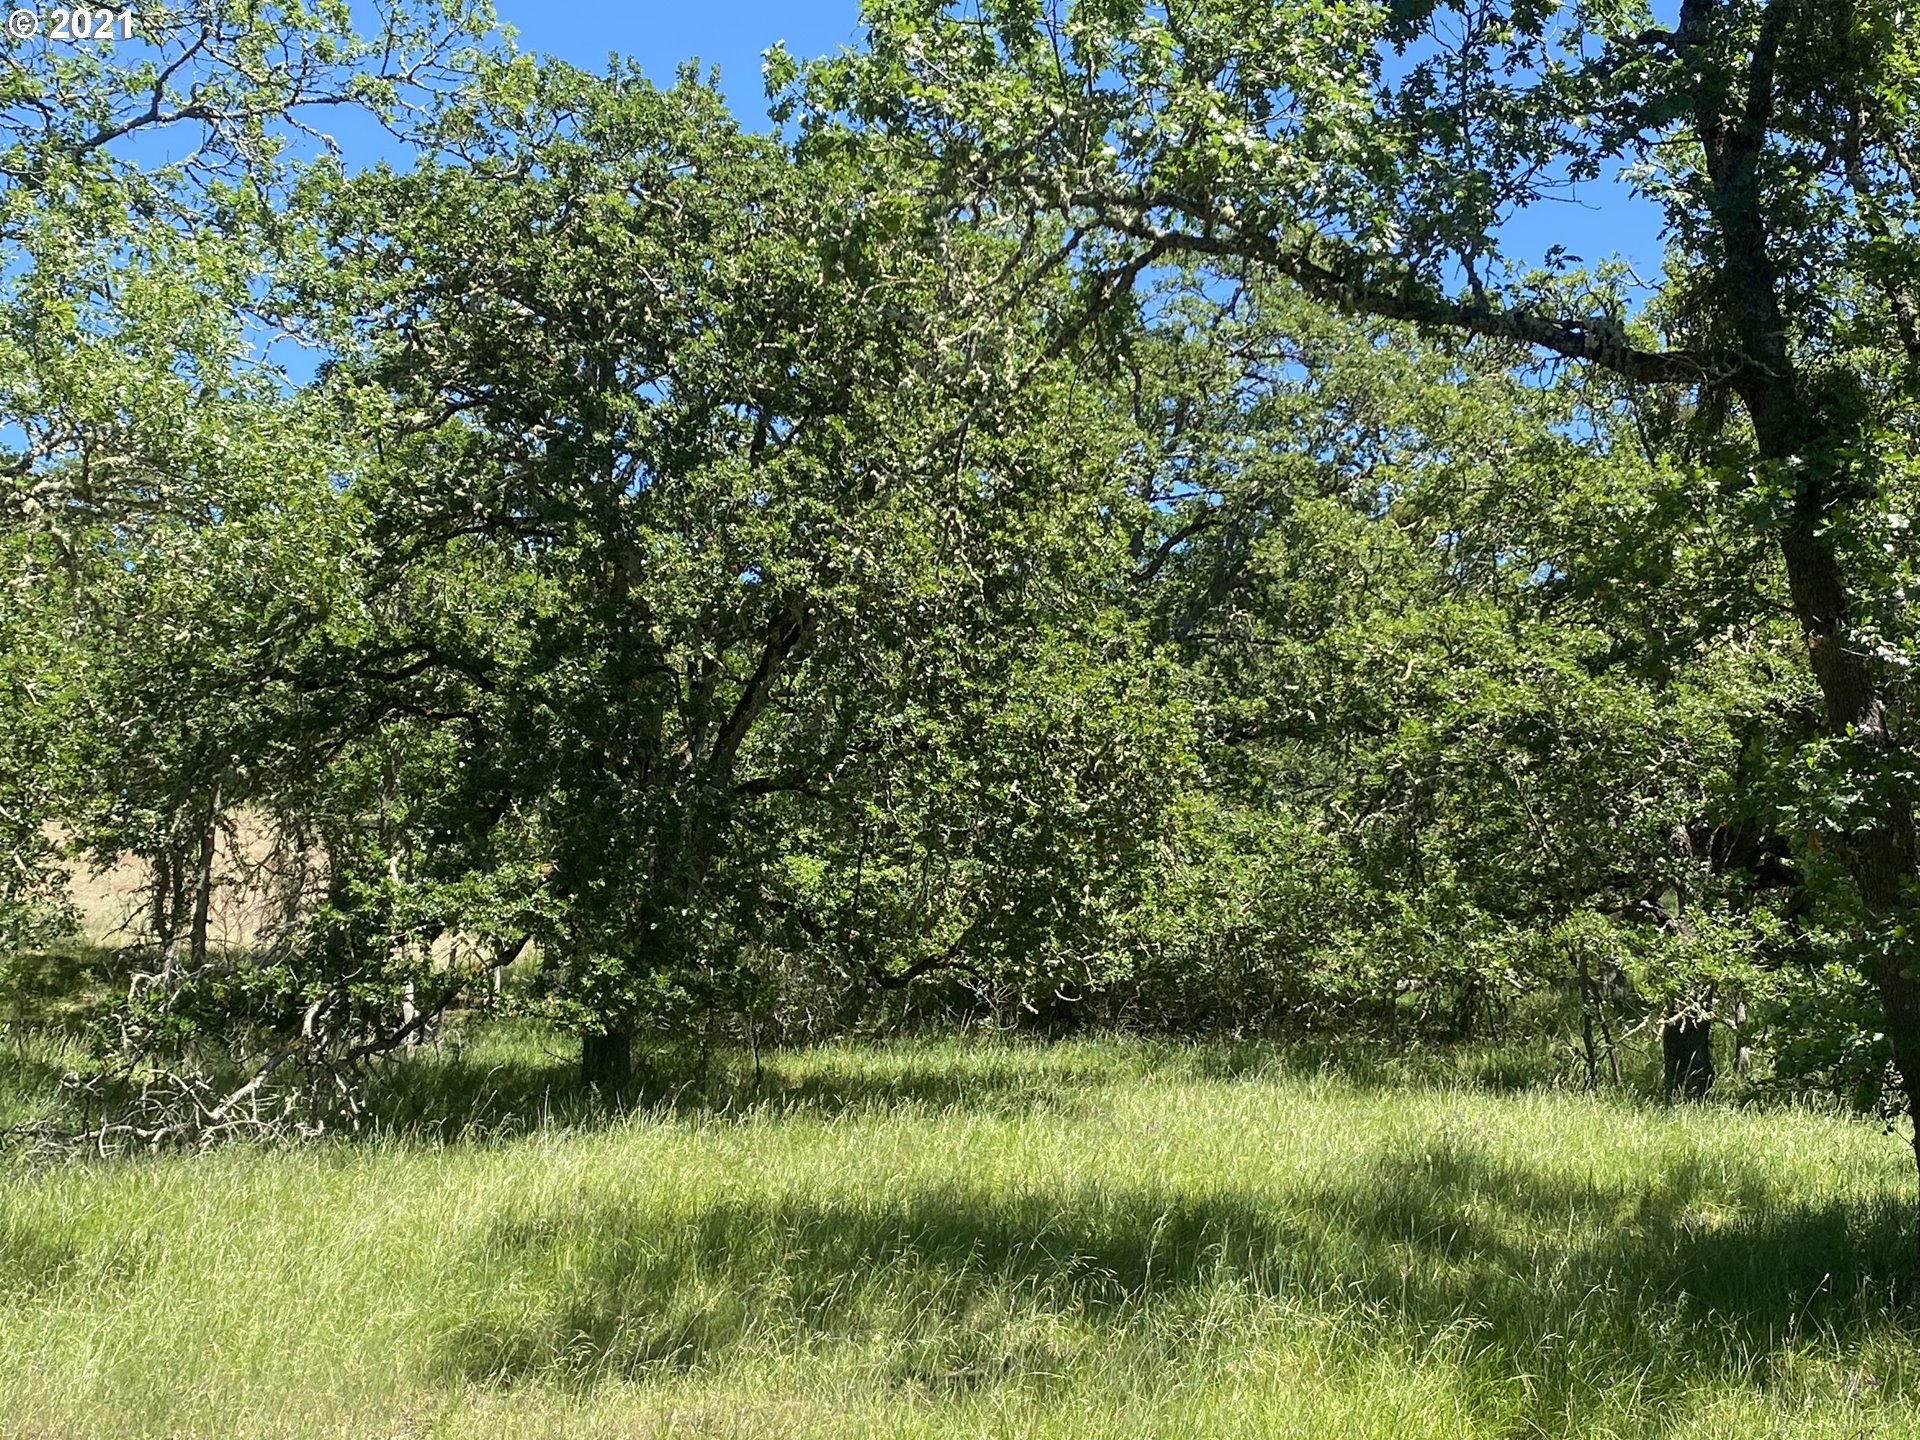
point(732, 33)
point(727, 33)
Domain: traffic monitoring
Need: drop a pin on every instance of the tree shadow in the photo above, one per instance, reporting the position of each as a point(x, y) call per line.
point(33, 1258)
point(61, 988)
point(1693, 1270)
point(1377, 1068)
point(1687, 1277)
point(1015, 1082)
point(954, 1273)
point(482, 1095)
point(28, 1078)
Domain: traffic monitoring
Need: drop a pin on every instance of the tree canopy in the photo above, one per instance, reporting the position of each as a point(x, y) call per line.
point(1085, 525)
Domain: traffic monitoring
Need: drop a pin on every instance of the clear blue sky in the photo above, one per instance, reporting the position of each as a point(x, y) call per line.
point(727, 33)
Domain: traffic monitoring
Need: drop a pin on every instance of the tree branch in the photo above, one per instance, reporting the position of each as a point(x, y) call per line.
point(1599, 340)
point(783, 638)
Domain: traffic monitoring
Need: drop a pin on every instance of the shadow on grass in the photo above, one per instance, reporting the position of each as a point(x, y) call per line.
point(462, 1094)
point(32, 1258)
point(530, 1082)
point(987, 1082)
point(1683, 1278)
point(515, 1081)
point(30, 1076)
point(1704, 1255)
point(1479, 1067)
point(949, 1277)
point(60, 988)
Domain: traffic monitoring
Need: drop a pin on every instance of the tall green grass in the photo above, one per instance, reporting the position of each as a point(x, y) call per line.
point(945, 1239)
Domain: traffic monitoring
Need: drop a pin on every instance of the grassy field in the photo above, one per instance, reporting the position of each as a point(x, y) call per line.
point(1098, 1238)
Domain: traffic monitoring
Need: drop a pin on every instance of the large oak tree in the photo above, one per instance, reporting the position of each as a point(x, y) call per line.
point(1371, 153)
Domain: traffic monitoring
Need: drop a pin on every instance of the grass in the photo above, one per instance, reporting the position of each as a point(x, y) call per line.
point(46, 1001)
point(940, 1239)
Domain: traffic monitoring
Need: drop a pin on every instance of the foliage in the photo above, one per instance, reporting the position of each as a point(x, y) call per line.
point(785, 656)
point(1371, 154)
point(1083, 527)
point(168, 502)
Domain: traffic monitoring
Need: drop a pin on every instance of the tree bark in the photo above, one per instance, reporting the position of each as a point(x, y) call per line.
point(1593, 1012)
point(1808, 446)
point(1686, 1052)
point(166, 915)
point(606, 1060)
point(1879, 856)
point(203, 885)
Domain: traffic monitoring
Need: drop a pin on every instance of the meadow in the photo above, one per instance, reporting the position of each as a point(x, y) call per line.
point(977, 1238)
point(1081, 516)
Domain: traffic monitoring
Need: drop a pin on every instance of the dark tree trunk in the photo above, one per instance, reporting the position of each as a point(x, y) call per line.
point(166, 915)
point(203, 885)
point(1593, 1012)
point(1686, 1051)
point(606, 1060)
point(1809, 443)
point(1879, 856)
point(1466, 1010)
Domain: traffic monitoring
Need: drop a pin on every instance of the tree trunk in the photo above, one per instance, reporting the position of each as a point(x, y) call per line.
point(606, 1060)
point(1686, 1051)
point(1593, 1013)
point(1879, 856)
point(203, 885)
point(1809, 443)
point(166, 915)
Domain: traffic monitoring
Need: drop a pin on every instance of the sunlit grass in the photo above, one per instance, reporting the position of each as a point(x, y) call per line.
point(947, 1239)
